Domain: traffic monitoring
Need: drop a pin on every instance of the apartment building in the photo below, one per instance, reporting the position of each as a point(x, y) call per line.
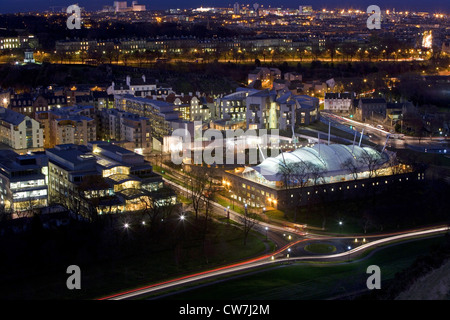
point(160, 113)
point(192, 107)
point(372, 109)
point(73, 124)
point(19, 131)
point(28, 104)
point(339, 102)
point(23, 181)
point(128, 127)
point(233, 107)
point(140, 87)
point(113, 178)
point(270, 109)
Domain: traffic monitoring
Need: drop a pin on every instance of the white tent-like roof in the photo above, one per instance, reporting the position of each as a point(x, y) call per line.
point(328, 158)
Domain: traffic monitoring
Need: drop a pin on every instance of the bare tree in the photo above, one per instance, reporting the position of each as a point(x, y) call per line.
point(300, 179)
point(158, 207)
point(316, 174)
point(201, 187)
point(286, 170)
point(394, 165)
point(249, 221)
point(350, 166)
point(373, 163)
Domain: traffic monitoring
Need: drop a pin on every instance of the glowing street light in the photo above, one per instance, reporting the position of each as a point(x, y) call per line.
point(126, 225)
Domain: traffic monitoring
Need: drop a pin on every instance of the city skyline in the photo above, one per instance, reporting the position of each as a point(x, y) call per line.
point(207, 150)
point(43, 5)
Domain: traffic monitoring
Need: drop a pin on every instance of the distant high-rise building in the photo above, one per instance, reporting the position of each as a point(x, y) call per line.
point(137, 7)
point(427, 39)
point(236, 8)
point(256, 8)
point(120, 6)
point(305, 10)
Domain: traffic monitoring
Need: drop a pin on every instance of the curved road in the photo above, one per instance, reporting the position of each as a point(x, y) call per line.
point(276, 257)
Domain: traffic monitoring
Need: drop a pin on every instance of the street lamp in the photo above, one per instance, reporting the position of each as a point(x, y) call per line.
point(266, 231)
point(126, 225)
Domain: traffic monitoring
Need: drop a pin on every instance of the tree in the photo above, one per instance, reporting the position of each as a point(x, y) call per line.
point(316, 52)
point(91, 191)
point(349, 50)
point(248, 221)
point(330, 46)
point(83, 55)
point(394, 165)
point(111, 54)
point(372, 161)
point(316, 174)
point(350, 166)
point(294, 174)
point(286, 171)
point(300, 176)
point(201, 187)
point(158, 207)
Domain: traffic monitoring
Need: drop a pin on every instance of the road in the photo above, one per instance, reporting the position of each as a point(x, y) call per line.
point(379, 135)
point(280, 256)
point(284, 252)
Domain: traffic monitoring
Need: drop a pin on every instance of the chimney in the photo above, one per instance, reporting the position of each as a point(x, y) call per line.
point(128, 80)
point(143, 77)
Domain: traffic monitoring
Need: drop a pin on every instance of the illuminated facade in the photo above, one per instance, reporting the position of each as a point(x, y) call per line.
point(160, 113)
point(20, 131)
point(113, 178)
point(23, 181)
point(427, 40)
point(270, 109)
point(66, 125)
point(318, 174)
point(124, 126)
point(339, 102)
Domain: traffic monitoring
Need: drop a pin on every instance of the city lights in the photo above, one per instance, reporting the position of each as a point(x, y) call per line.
point(154, 148)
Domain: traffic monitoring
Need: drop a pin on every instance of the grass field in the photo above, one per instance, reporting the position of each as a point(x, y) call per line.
point(304, 281)
point(107, 277)
point(321, 248)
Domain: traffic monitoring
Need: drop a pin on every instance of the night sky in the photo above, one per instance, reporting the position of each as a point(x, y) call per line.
point(12, 6)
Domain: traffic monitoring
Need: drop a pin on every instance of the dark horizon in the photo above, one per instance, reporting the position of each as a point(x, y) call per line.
point(432, 6)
